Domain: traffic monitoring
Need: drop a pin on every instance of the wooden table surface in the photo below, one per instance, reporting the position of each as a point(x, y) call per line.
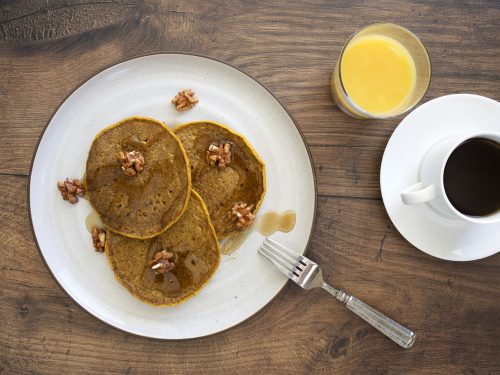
point(49, 47)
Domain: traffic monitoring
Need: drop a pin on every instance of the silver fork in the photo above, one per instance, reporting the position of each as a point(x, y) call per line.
point(308, 275)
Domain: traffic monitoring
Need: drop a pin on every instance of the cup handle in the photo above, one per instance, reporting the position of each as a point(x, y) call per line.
point(418, 193)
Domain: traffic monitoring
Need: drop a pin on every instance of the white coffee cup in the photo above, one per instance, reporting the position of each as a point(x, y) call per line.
point(430, 188)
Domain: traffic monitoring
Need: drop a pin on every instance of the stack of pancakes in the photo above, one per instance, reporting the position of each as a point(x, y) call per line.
point(178, 202)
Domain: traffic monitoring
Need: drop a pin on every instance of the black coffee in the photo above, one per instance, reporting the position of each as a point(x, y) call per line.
point(472, 177)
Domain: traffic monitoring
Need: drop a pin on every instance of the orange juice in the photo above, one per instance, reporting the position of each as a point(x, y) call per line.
point(378, 74)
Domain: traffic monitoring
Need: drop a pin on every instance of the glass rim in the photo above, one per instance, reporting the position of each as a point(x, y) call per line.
point(344, 91)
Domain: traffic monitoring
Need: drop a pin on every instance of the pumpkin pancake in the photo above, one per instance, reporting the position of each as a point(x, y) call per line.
point(193, 248)
point(138, 201)
point(240, 179)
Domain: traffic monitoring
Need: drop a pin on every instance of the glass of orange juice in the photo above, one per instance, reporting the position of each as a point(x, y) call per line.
point(383, 71)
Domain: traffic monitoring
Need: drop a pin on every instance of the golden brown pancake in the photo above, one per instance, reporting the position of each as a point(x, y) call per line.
point(144, 205)
point(242, 180)
point(196, 251)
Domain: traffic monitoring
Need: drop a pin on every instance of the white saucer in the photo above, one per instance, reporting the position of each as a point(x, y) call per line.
point(420, 225)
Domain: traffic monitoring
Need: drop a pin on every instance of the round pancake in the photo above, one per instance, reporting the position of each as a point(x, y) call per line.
point(196, 251)
point(243, 180)
point(144, 205)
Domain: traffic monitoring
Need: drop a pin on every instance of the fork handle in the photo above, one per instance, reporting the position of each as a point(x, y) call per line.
point(395, 331)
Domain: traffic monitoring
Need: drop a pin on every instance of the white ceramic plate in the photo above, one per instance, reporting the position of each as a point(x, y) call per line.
point(423, 227)
point(244, 282)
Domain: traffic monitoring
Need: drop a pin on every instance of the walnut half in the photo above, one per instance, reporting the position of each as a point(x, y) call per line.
point(220, 155)
point(162, 262)
point(242, 215)
point(132, 162)
point(98, 239)
point(184, 100)
point(71, 189)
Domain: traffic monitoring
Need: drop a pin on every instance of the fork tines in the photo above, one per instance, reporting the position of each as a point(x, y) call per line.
point(287, 261)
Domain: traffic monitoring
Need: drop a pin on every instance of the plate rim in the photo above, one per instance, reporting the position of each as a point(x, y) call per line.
point(117, 62)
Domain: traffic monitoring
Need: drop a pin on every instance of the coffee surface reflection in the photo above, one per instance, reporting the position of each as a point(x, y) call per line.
point(472, 177)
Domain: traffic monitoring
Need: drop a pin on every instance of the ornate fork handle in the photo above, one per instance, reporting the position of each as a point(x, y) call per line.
point(395, 331)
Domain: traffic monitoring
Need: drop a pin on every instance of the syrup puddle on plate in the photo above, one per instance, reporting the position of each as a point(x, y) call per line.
point(93, 220)
point(273, 221)
point(267, 224)
point(230, 244)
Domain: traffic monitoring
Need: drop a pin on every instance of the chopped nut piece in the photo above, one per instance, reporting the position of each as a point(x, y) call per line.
point(184, 100)
point(242, 214)
point(132, 162)
point(98, 239)
point(71, 190)
point(220, 155)
point(162, 262)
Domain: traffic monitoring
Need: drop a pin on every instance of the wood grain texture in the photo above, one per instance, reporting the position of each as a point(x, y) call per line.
point(49, 47)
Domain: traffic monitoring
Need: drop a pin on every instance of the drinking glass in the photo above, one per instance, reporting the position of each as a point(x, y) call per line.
point(417, 52)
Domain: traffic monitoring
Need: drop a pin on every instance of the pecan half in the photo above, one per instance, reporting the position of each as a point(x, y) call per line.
point(71, 189)
point(132, 162)
point(162, 261)
point(98, 239)
point(184, 100)
point(220, 155)
point(242, 215)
